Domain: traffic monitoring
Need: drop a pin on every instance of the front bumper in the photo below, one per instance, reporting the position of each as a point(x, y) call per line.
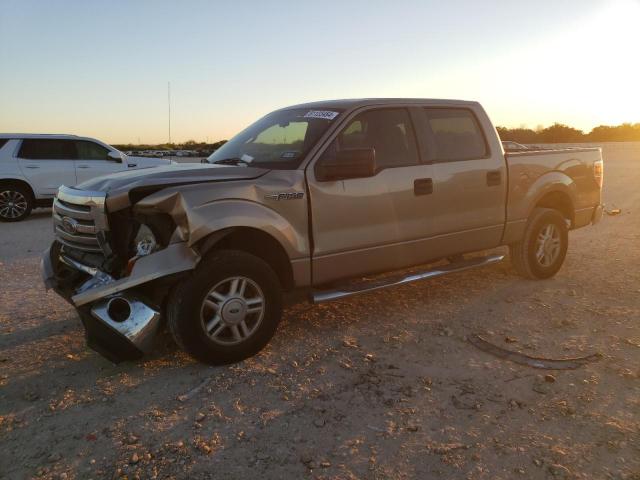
point(120, 323)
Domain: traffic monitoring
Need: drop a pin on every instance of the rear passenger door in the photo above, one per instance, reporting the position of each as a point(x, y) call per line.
point(469, 183)
point(47, 164)
point(93, 161)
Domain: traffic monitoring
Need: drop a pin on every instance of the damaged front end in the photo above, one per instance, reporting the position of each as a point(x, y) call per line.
point(117, 283)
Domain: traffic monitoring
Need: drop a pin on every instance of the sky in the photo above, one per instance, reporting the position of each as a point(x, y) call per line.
point(101, 68)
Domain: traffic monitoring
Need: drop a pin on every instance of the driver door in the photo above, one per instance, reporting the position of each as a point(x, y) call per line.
point(365, 225)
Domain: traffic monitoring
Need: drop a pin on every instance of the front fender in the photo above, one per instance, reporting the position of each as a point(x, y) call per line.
point(197, 221)
point(223, 214)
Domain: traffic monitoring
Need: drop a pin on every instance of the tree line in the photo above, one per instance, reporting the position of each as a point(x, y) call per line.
point(560, 133)
point(188, 145)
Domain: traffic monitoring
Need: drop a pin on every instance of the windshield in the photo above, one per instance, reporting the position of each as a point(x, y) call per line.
point(280, 140)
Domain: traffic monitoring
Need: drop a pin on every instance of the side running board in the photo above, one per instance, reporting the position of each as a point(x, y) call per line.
point(322, 296)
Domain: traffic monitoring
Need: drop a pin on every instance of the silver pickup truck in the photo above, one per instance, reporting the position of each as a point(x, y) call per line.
point(310, 198)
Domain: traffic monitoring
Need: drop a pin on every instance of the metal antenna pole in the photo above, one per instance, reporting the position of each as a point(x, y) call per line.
point(169, 101)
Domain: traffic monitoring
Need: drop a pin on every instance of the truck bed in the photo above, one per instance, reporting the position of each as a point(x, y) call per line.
point(532, 172)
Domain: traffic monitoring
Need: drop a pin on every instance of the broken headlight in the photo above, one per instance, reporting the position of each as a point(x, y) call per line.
point(145, 241)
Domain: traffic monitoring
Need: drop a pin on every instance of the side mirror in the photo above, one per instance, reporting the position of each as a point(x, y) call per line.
point(349, 163)
point(115, 156)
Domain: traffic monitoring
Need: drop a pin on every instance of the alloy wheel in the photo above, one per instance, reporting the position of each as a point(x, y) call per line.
point(548, 245)
point(13, 204)
point(232, 310)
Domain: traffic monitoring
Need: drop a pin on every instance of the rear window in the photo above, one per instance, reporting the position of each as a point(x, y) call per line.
point(3, 141)
point(41, 149)
point(91, 151)
point(456, 134)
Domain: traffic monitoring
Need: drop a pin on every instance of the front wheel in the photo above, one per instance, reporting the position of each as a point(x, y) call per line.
point(542, 250)
point(16, 202)
point(228, 310)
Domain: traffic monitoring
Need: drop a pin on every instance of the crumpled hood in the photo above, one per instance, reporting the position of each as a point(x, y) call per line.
point(119, 185)
point(175, 174)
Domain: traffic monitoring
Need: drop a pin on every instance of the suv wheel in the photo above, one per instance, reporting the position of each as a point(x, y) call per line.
point(542, 251)
point(16, 203)
point(228, 310)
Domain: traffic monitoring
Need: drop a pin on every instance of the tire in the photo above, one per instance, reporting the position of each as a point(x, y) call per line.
point(217, 321)
point(16, 202)
point(530, 259)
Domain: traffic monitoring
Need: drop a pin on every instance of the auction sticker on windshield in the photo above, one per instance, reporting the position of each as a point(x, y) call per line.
point(325, 114)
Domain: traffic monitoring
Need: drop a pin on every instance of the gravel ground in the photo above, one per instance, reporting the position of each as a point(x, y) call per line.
point(381, 386)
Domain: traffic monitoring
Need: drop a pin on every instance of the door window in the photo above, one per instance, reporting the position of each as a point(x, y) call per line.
point(388, 131)
point(456, 134)
point(91, 151)
point(43, 149)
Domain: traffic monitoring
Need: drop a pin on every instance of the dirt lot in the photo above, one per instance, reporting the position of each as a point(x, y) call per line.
point(380, 386)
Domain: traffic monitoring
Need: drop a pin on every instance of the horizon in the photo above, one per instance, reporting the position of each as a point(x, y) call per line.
point(104, 72)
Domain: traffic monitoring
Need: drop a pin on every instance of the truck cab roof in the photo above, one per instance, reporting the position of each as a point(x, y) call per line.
point(348, 104)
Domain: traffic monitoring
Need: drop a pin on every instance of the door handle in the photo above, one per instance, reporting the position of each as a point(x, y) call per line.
point(423, 186)
point(82, 166)
point(32, 166)
point(494, 178)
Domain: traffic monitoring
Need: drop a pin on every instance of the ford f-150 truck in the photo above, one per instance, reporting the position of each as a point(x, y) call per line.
point(310, 198)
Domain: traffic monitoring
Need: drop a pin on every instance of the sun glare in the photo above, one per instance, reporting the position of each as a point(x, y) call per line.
point(586, 75)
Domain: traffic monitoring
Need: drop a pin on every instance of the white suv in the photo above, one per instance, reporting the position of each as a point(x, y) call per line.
point(32, 167)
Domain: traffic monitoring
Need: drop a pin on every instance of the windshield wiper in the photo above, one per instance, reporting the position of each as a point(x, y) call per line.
point(232, 161)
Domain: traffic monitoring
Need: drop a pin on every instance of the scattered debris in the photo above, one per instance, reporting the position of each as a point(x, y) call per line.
point(559, 471)
point(319, 423)
point(535, 362)
point(194, 391)
point(54, 457)
point(614, 211)
point(540, 385)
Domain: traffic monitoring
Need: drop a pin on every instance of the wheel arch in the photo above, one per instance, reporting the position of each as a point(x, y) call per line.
point(256, 242)
point(554, 190)
point(18, 181)
point(558, 200)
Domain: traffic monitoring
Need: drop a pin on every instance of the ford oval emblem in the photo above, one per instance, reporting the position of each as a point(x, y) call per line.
point(70, 225)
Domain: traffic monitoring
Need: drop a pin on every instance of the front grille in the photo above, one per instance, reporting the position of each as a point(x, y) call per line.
point(79, 219)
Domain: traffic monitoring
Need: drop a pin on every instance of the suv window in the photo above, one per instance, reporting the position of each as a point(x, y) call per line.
point(91, 151)
point(389, 131)
point(36, 148)
point(456, 134)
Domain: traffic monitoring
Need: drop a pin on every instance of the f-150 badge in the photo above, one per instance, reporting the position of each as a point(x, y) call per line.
point(285, 196)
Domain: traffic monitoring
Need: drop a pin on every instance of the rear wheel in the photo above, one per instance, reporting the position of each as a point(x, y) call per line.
point(228, 310)
point(542, 250)
point(16, 202)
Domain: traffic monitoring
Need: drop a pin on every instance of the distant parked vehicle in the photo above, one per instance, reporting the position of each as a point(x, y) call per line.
point(185, 153)
point(33, 166)
point(514, 146)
